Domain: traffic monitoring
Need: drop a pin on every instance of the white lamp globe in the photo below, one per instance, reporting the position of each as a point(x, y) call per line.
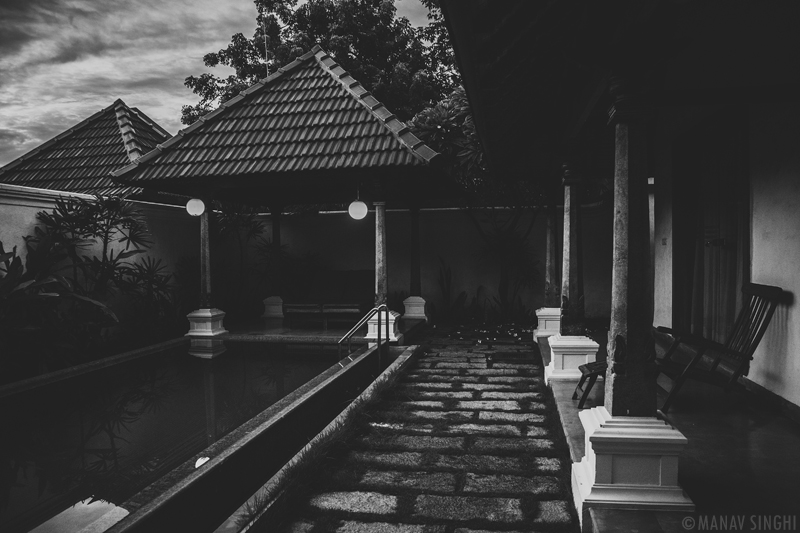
point(195, 207)
point(357, 209)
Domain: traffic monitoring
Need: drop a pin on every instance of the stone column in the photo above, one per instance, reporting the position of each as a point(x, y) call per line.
point(552, 285)
point(549, 316)
point(631, 456)
point(570, 348)
point(206, 322)
point(382, 280)
point(273, 305)
point(205, 260)
point(415, 304)
point(572, 303)
point(381, 271)
point(630, 388)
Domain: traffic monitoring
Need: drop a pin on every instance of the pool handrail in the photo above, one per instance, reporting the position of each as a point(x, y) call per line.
point(375, 310)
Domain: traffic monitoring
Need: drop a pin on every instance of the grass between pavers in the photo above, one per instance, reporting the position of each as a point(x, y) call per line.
point(371, 454)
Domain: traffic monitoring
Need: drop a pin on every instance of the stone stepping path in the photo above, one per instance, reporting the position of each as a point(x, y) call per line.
point(456, 446)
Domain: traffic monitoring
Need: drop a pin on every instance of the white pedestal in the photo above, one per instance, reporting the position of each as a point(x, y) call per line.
point(549, 322)
point(273, 307)
point(630, 463)
point(206, 323)
point(394, 332)
point(567, 353)
point(415, 308)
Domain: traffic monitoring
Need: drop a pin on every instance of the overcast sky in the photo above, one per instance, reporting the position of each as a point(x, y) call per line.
point(63, 60)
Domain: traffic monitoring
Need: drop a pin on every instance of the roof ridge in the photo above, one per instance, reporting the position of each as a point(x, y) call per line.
point(378, 109)
point(128, 132)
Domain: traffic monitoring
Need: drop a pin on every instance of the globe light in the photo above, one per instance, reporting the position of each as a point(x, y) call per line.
point(195, 207)
point(357, 209)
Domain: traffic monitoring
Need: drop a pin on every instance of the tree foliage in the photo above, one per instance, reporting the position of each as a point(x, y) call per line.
point(383, 52)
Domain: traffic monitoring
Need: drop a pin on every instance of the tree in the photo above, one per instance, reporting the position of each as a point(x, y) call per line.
point(386, 54)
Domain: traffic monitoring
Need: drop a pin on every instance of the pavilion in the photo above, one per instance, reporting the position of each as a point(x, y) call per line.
point(307, 134)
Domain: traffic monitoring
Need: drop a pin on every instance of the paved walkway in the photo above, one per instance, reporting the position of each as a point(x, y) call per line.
point(459, 445)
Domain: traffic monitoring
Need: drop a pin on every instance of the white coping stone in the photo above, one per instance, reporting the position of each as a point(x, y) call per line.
point(630, 463)
point(549, 322)
point(568, 353)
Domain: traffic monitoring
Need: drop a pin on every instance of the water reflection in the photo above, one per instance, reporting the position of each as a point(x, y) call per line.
point(108, 434)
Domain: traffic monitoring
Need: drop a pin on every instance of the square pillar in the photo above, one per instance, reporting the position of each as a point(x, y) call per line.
point(415, 308)
point(549, 322)
point(567, 354)
point(206, 323)
point(394, 331)
point(273, 307)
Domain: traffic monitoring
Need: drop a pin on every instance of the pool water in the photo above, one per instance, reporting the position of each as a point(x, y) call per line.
point(107, 434)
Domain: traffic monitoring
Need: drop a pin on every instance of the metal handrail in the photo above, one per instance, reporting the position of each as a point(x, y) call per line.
point(375, 310)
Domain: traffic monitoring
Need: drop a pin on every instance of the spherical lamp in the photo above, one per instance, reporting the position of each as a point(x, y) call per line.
point(357, 209)
point(195, 207)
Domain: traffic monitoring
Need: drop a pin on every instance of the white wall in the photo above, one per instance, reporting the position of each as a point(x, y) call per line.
point(775, 193)
point(175, 233)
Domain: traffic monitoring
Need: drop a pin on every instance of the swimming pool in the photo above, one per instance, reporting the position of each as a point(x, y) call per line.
point(108, 433)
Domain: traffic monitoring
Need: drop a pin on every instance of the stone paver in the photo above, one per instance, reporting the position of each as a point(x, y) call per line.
point(494, 483)
point(495, 416)
point(464, 508)
point(412, 442)
point(385, 527)
point(355, 502)
point(455, 446)
point(511, 396)
point(433, 481)
point(496, 445)
point(489, 405)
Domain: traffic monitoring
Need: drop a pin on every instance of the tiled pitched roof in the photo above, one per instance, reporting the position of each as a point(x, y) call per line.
point(311, 115)
point(82, 158)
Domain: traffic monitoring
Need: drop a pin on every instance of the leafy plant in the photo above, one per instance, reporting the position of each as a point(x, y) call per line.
point(44, 323)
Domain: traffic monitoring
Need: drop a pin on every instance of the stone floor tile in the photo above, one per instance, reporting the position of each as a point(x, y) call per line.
point(504, 483)
point(504, 510)
point(385, 527)
point(478, 463)
point(408, 459)
point(497, 444)
point(510, 396)
point(355, 502)
point(484, 429)
point(553, 512)
point(457, 395)
point(413, 442)
point(491, 416)
point(489, 386)
point(301, 526)
point(490, 405)
point(434, 481)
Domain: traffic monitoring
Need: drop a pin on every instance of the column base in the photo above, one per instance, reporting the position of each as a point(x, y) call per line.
point(630, 463)
point(273, 307)
point(415, 308)
point(549, 322)
point(394, 331)
point(206, 323)
point(567, 353)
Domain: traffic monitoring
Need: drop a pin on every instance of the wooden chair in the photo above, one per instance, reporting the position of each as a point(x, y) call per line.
point(695, 357)
point(590, 371)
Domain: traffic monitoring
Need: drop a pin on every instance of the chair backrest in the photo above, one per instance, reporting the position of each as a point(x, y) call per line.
point(758, 307)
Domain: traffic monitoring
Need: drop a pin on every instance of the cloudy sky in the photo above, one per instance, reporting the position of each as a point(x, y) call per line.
point(63, 60)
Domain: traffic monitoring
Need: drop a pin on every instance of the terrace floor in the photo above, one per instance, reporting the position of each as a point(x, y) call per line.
point(741, 459)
